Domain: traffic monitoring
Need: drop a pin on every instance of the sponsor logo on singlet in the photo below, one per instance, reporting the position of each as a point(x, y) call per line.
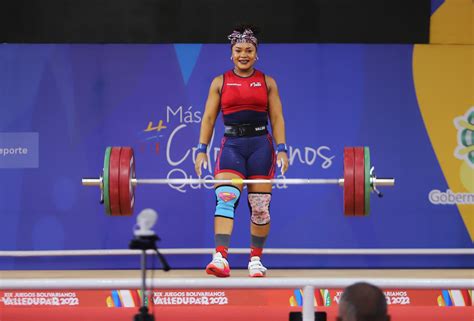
point(256, 84)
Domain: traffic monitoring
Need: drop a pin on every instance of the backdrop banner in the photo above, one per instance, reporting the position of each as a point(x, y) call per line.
point(64, 104)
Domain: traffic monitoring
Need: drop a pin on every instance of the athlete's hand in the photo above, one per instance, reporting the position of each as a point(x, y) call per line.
point(282, 162)
point(201, 159)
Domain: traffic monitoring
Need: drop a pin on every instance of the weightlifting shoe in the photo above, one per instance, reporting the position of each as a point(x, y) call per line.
point(218, 266)
point(256, 268)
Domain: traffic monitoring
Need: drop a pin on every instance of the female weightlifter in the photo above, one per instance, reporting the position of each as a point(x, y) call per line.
point(247, 98)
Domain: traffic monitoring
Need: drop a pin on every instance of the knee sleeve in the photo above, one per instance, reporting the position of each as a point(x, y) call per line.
point(259, 204)
point(227, 199)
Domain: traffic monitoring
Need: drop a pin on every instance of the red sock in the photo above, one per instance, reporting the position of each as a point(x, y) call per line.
point(256, 251)
point(222, 250)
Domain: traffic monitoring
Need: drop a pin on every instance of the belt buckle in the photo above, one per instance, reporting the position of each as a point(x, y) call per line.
point(229, 130)
point(241, 131)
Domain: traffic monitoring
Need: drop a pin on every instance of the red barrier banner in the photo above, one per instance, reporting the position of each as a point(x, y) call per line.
point(132, 298)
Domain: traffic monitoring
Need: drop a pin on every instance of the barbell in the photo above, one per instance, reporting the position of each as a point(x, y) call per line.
point(118, 181)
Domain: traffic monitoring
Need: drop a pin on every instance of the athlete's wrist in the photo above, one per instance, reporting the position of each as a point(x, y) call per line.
point(201, 148)
point(282, 148)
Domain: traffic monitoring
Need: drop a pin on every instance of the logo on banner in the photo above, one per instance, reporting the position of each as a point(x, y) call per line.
point(464, 151)
point(125, 298)
point(457, 298)
point(322, 298)
point(465, 126)
point(39, 299)
point(189, 297)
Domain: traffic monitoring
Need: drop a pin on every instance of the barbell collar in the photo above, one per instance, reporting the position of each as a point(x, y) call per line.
point(383, 181)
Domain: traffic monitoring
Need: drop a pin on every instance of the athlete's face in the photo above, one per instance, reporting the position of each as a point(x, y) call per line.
point(244, 56)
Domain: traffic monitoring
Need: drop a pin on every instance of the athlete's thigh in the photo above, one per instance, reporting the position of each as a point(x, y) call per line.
point(261, 160)
point(231, 158)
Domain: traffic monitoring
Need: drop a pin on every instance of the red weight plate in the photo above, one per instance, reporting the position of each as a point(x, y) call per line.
point(127, 169)
point(349, 180)
point(359, 180)
point(114, 185)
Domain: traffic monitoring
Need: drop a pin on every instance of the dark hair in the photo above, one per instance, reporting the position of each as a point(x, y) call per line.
point(243, 26)
point(364, 301)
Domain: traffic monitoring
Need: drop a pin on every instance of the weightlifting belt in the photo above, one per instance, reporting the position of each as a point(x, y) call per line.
point(245, 130)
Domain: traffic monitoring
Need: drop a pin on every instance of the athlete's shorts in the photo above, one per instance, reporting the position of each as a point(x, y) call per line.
point(248, 157)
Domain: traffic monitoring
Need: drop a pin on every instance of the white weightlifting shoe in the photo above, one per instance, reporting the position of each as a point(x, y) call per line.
point(256, 268)
point(218, 266)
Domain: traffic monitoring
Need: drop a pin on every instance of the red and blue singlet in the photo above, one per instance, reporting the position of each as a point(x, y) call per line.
point(244, 101)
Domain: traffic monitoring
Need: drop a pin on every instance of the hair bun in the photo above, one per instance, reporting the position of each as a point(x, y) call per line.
point(242, 27)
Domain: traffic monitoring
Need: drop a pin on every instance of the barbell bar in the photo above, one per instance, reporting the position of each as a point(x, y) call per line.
point(286, 181)
point(118, 181)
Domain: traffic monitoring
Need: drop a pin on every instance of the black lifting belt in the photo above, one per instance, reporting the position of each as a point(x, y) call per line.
point(245, 130)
